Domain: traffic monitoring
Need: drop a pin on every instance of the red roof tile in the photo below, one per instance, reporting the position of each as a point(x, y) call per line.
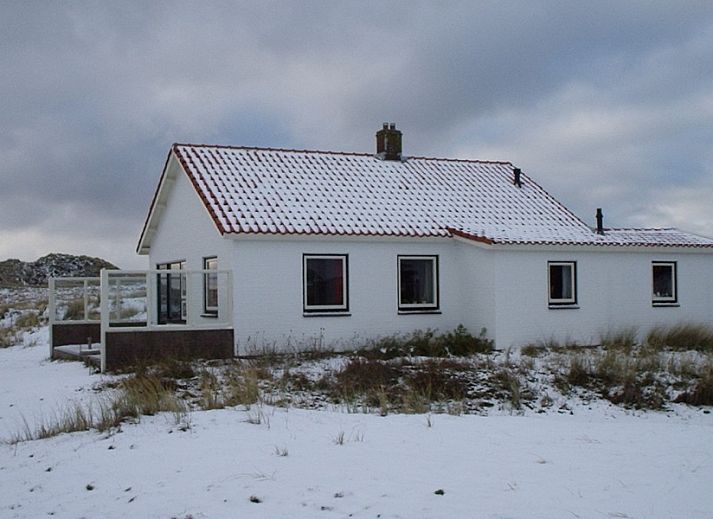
point(277, 191)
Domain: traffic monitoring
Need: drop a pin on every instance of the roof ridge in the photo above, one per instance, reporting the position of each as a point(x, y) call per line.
point(329, 152)
point(262, 148)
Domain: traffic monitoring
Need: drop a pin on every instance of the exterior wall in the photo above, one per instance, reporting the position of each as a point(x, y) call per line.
point(476, 279)
point(268, 276)
point(613, 292)
point(187, 233)
point(504, 291)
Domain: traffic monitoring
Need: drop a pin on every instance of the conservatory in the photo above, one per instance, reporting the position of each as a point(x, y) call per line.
point(126, 318)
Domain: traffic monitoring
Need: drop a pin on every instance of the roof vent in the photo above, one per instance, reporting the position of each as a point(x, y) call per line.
point(600, 221)
point(517, 180)
point(388, 142)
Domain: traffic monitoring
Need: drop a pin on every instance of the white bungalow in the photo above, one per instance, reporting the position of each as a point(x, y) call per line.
point(332, 248)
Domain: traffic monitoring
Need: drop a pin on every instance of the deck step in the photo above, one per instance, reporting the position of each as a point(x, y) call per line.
point(77, 352)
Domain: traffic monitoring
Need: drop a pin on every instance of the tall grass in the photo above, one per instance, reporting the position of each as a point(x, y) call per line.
point(8, 337)
point(427, 343)
point(624, 339)
point(681, 337)
point(134, 397)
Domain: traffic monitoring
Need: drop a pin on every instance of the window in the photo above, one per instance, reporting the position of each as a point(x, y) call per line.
point(171, 293)
point(418, 282)
point(210, 286)
point(664, 283)
point(325, 283)
point(562, 280)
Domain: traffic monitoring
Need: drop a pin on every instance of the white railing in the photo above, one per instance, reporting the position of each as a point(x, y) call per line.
point(133, 300)
point(74, 300)
point(141, 300)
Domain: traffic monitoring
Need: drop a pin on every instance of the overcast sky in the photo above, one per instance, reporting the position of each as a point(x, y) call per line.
point(605, 104)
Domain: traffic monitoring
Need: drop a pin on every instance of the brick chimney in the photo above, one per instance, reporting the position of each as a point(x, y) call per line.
point(388, 142)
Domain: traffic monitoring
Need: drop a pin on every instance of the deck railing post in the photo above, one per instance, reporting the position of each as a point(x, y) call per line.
point(86, 300)
point(51, 312)
point(104, 297)
point(229, 299)
point(150, 303)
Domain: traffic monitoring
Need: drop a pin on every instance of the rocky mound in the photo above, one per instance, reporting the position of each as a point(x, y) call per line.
point(15, 273)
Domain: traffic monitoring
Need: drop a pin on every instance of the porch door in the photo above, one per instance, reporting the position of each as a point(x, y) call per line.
point(171, 293)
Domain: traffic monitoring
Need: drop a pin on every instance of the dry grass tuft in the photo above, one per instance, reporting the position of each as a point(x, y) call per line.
point(459, 342)
point(135, 396)
point(624, 339)
point(242, 386)
point(702, 391)
point(681, 337)
point(8, 337)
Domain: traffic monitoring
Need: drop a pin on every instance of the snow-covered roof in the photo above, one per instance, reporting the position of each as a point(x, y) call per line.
point(279, 191)
point(667, 237)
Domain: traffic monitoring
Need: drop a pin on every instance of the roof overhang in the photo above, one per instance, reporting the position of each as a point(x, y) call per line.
point(158, 203)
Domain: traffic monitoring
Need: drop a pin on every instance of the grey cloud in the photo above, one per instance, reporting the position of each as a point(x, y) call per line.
point(92, 95)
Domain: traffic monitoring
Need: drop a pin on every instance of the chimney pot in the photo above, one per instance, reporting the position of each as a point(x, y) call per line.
point(388, 142)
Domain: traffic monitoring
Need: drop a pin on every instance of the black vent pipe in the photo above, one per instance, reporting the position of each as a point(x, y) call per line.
point(600, 221)
point(517, 181)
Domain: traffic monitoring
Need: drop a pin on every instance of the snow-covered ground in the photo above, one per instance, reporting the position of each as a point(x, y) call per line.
point(600, 461)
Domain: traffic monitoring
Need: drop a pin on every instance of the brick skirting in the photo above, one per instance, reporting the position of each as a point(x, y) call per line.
point(76, 333)
point(127, 348)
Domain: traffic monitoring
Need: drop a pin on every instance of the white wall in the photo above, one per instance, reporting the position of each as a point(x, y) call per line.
point(476, 279)
point(613, 291)
point(186, 233)
point(268, 287)
point(504, 291)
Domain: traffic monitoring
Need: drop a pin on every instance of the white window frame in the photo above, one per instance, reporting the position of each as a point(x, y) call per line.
point(344, 307)
point(210, 310)
point(567, 301)
point(665, 300)
point(419, 306)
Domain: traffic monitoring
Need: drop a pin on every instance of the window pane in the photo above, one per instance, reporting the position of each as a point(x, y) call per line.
point(417, 281)
point(211, 285)
point(171, 293)
point(325, 281)
point(663, 281)
point(561, 282)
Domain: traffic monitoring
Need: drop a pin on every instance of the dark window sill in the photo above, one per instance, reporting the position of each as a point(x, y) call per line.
point(326, 314)
point(210, 315)
point(665, 305)
point(415, 311)
point(564, 307)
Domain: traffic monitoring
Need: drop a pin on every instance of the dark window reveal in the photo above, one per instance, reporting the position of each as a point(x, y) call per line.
point(325, 283)
point(171, 293)
point(664, 282)
point(210, 286)
point(418, 282)
point(562, 282)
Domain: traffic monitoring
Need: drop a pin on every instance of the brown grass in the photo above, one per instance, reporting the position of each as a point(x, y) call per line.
point(135, 396)
point(623, 340)
point(701, 393)
point(681, 337)
point(426, 343)
point(8, 337)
